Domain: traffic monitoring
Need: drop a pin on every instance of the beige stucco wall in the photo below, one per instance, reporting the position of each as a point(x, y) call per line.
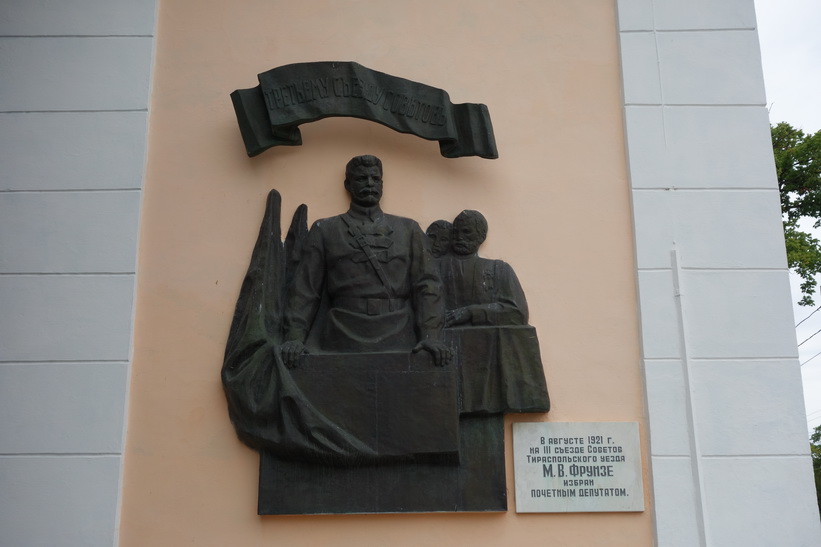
point(557, 203)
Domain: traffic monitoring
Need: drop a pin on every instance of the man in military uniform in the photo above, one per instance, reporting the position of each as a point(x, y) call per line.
point(381, 289)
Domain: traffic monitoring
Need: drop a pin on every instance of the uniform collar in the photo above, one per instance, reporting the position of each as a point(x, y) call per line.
point(358, 212)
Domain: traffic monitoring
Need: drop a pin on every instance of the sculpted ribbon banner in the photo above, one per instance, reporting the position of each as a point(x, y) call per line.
point(290, 95)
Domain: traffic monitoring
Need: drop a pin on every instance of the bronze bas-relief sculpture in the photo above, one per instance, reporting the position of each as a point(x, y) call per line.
point(479, 291)
point(486, 324)
point(439, 234)
point(383, 291)
point(367, 383)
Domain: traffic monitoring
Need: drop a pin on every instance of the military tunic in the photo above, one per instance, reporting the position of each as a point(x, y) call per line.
point(364, 311)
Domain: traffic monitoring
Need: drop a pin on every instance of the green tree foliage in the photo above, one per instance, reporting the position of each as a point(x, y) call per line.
point(815, 449)
point(798, 167)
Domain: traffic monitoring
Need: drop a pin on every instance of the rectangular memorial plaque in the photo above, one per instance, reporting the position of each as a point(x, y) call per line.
point(577, 467)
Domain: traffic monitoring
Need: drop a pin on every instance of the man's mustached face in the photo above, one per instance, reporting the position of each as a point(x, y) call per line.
point(466, 238)
point(365, 185)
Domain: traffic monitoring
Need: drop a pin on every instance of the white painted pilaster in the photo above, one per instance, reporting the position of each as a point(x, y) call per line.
point(730, 462)
point(73, 108)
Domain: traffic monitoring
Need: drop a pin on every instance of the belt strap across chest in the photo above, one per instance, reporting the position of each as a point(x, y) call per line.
point(363, 244)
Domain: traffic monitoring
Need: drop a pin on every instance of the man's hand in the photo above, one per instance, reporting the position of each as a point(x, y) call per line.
point(440, 352)
point(290, 351)
point(458, 316)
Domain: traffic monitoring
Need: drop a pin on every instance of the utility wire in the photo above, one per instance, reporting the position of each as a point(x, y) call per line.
point(810, 359)
point(806, 340)
point(810, 315)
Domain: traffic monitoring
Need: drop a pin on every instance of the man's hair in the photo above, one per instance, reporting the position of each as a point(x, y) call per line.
point(478, 220)
point(439, 226)
point(362, 161)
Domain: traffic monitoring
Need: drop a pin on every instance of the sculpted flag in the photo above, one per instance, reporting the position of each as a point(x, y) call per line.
point(288, 96)
point(265, 403)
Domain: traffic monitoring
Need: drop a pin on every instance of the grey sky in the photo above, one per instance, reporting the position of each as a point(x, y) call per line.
point(791, 58)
